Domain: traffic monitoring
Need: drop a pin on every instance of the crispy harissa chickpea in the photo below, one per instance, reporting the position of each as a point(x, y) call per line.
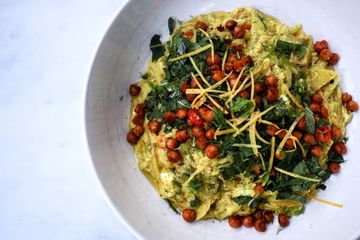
point(256, 169)
point(201, 25)
point(244, 94)
point(210, 60)
point(181, 113)
point(258, 87)
point(194, 83)
point(140, 109)
point(257, 214)
point(169, 117)
point(231, 59)
point(138, 130)
point(352, 106)
point(297, 134)
point(345, 97)
point(334, 59)
point(283, 220)
point(154, 126)
point(317, 98)
point(325, 55)
point(182, 135)
point(271, 130)
point(315, 107)
point(230, 24)
point(172, 144)
point(271, 94)
point(238, 32)
point(132, 138)
point(208, 116)
point(324, 112)
point(260, 225)
point(210, 133)
point(301, 125)
point(259, 188)
point(134, 90)
point(321, 45)
point(335, 132)
point(228, 67)
point(309, 139)
point(184, 86)
point(173, 156)
point(234, 221)
point(248, 221)
point(340, 148)
point(212, 151)
point(218, 75)
point(189, 215)
point(198, 131)
point(268, 216)
point(334, 168)
point(316, 151)
point(201, 142)
point(138, 119)
point(271, 80)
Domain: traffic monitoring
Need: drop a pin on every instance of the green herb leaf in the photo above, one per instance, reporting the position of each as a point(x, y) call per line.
point(171, 25)
point(194, 203)
point(310, 121)
point(243, 106)
point(287, 48)
point(219, 118)
point(250, 201)
point(195, 186)
point(156, 47)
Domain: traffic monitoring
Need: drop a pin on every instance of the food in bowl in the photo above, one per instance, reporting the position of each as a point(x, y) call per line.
point(239, 116)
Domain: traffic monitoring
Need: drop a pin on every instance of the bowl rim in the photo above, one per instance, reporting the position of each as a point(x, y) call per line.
point(86, 127)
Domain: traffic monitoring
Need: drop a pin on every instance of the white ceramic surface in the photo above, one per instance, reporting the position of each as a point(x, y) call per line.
point(123, 55)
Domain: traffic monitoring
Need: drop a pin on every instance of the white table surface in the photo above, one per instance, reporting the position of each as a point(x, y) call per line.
point(48, 188)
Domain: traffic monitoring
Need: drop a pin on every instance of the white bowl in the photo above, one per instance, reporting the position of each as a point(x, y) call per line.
point(121, 58)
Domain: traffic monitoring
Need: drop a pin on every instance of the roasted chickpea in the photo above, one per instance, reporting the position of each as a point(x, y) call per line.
point(201, 142)
point(132, 138)
point(203, 110)
point(172, 144)
point(190, 97)
point(174, 156)
point(189, 122)
point(183, 87)
point(325, 55)
point(334, 168)
point(134, 90)
point(316, 151)
point(257, 101)
point(340, 148)
point(154, 126)
point(271, 80)
point(237, 48)
point(321, 45)
point(315, 107)
point(210, 60)
point(317, 117)
point(258, 87)
point(297, 134)
point(138, 130)
point(208, 116)
point(247, 60)
point(352, 106)
point(334, 59)
point(324, 112)
point(248, 221)
point(228, 67)
point(345, 97)
point(189, 215)
point(193, 83)
point(238, 65)
point(317, 98)
point(335, 132)
point(257, 214)
point(281, 134)
point(140, 109)
point(238, 32)
point(271, 130)
point(268, 216)
point(280, 155)
point(198, 131)
point(260, 225)
point(138, 119)
point(201, 25)
point(259, 188)
point(218, 75)
point(309, 139)
point(169, 117)
point(188, 35)
point(244, 94)
point(232, 82)
point(246, 26)
point(283, 220)
point(212, 151)
point(181, 113)
point(301, 125)
point(210, 133)
point(289, 143)
point(182, 135)
point(271, 94)
point(231, 58)
point(234, 221)
point(230, 25)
